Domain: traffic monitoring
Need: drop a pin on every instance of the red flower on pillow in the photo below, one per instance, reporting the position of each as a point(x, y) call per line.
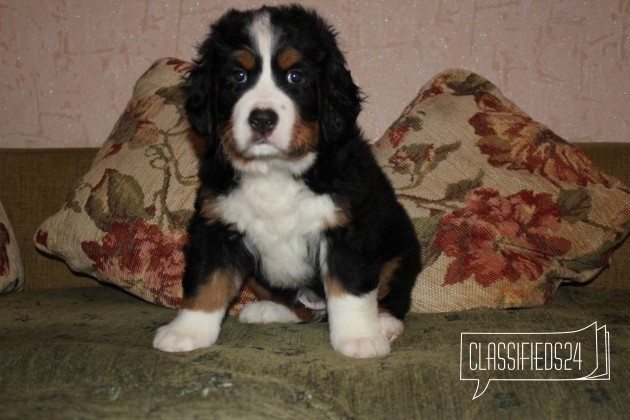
point(139, 250)
point(397, 134)
point(4, 253)
point(495, 238)
point(180, 66)
point(512, 139)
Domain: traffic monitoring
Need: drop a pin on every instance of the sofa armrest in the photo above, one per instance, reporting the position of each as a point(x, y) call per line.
point(612, 158)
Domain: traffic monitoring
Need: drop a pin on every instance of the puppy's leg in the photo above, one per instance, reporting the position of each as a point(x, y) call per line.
point(199, 321)
point(211, 281)
point(396, 281)
point(355, 329)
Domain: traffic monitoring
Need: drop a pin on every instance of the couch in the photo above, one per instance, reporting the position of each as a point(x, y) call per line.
point(71, 347)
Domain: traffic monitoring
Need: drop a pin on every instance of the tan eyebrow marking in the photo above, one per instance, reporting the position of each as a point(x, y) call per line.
point(288, 58)
point(246, 59)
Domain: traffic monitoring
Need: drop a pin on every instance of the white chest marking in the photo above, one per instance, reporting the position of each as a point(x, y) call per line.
point(283, 221)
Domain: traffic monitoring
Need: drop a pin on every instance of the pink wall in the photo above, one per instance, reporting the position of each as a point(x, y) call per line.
point(68, 66)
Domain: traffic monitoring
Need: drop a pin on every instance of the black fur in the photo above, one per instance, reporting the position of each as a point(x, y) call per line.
point(379, 229)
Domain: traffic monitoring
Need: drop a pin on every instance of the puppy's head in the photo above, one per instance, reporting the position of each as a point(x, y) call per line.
point(271, 85)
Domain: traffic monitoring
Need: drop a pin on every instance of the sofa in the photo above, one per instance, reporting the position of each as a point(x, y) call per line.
point(71, 347)
point(506, 212)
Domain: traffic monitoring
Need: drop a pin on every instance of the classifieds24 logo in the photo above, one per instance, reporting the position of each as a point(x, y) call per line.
point(550, 356)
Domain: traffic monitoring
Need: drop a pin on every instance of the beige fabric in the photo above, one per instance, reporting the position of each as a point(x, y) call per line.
point(125, 221)
point(505, 209)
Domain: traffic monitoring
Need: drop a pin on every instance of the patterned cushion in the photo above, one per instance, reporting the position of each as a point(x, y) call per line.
point(506, 210)
point(11, 272)
point(125, 221)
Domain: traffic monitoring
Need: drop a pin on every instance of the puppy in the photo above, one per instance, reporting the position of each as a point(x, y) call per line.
point(291, 201)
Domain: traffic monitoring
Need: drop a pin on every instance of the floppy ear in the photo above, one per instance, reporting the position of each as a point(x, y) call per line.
point(200, 90)
point(340, 97)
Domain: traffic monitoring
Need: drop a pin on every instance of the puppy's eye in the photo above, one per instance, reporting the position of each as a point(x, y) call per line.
point(295, 77)
point(239, 76)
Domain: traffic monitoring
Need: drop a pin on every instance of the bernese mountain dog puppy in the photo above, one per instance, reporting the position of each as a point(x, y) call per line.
point(291, 200)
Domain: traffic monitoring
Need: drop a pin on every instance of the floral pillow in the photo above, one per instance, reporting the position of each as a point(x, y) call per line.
point(125, 221)
point(505, 209)
point(11, 272)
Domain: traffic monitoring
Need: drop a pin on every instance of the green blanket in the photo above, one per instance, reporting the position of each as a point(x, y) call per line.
point(86, 353)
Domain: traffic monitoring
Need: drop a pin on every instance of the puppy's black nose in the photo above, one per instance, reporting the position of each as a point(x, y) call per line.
point(263, 121)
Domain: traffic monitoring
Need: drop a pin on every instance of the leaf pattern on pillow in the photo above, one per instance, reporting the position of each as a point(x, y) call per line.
point(125, 221)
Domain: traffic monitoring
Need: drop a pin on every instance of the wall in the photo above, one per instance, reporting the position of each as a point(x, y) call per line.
point(67, 66)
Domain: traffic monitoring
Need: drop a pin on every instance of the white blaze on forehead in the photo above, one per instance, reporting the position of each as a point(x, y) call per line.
point(263, 35)
point(264, 94)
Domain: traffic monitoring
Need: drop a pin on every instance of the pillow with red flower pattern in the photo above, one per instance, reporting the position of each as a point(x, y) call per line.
point(506, 210)
point(11, 272)
point(125, 221)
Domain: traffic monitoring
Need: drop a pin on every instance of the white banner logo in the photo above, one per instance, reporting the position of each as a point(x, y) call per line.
point(554, 356)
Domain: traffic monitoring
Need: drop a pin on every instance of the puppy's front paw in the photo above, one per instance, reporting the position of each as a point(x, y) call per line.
point(355, 328)
point(172, 339)
point(190, 330)
point(363, 347)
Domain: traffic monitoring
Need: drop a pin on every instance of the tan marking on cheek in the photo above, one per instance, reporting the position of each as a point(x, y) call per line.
point(288, 57)
point(333, 287)
point(387, 275)
point(305, 138)
point(246, 59)
point(216, 294)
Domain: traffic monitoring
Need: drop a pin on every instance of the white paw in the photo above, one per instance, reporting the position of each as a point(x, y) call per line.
point(189, 330)
point(267, 312)
point(391, 327)
point(363, 347)
point(355, 327)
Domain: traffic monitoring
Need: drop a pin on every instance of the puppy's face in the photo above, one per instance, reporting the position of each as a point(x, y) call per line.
point(265, 82)
point(267, 98)
point(269, 89)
